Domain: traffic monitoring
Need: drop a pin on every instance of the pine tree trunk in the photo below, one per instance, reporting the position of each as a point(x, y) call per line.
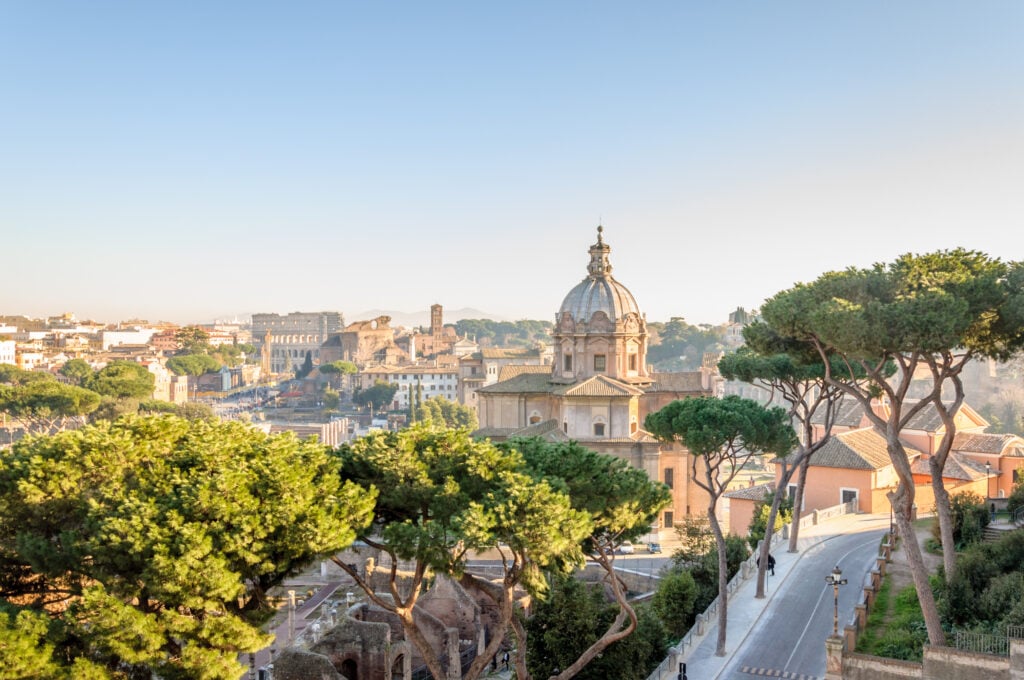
point(614, 632)
point(723, 579)
point(798, 504)
point(945, 514)
point(413, 633)
point(519, 661)
point(922, 583)
point(502, 596)
point(902, 511)
point(766, 544)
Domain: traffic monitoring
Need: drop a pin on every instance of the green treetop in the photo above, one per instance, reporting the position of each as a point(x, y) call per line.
point(156, 536)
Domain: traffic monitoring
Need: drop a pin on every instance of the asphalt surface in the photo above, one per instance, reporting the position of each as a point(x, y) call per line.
point(783, 635)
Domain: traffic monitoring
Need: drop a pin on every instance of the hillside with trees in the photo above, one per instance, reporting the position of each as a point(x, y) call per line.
point(679, 346)
point(524, 333)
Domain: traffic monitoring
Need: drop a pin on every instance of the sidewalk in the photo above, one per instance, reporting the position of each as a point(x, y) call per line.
point(745, 610)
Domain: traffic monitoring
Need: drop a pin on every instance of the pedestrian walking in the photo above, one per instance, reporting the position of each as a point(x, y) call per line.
point(504, 660)
point(771, 564)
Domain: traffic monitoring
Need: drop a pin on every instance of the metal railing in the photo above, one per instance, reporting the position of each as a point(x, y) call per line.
point(983, 643)
point(1015, 632)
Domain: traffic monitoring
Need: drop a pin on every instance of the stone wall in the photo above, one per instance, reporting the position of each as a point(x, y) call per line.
point(953, 664)
point(636, 582)
point(940, 663)
point(865, 667)
point(364, 644)
point(449, 603)
point(298, 664)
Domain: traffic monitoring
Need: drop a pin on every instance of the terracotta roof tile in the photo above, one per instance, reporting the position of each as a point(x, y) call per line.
point(982, 442)
point(535, 383)
point(509, 352)
point(957, 467)
point(850, 415)
point(598, 386)
point(862, 449)
point(925, 420)
point(546, 429)
point(512, 370)
point(690, 381)
point(752, 493)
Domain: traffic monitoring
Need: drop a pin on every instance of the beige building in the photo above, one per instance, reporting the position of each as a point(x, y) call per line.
point(364, 343)
point(485, 367)
point(599, 388)
point(7, 352)
point(429, 381)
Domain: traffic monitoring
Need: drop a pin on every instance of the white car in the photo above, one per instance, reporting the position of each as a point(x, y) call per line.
point(625, 548)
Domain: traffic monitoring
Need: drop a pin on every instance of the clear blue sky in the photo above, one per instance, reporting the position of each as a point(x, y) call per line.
point(193, 160)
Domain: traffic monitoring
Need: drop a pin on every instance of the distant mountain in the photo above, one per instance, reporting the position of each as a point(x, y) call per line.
point(411, 319)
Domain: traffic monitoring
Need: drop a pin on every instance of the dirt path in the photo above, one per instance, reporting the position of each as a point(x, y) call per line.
point(899, 569)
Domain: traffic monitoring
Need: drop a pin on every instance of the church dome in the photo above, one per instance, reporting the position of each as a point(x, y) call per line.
point(599, 292)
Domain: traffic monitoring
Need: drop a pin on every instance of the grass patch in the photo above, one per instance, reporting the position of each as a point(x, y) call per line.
point(867, 640)
point(895, 628)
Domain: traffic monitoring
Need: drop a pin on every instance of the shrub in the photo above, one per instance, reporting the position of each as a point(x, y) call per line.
point(900, 643)
point(1014, 617)
point(674, 601)
point(572, 618)
point(970, 517)
point(1016, 498)
point(1001, 592)
point(987, 584)
point(759, 522)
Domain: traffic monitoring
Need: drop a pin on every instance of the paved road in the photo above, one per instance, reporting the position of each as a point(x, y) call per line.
point(790, 636)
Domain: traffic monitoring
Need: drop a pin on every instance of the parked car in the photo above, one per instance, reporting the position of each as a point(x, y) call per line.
point(654, 547)
point(625, 548)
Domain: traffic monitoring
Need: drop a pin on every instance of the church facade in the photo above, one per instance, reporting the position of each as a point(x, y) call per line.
point(599, 388)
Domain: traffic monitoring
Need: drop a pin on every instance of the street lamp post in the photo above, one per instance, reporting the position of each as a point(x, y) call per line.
point(835, 580)
point(988, 477)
